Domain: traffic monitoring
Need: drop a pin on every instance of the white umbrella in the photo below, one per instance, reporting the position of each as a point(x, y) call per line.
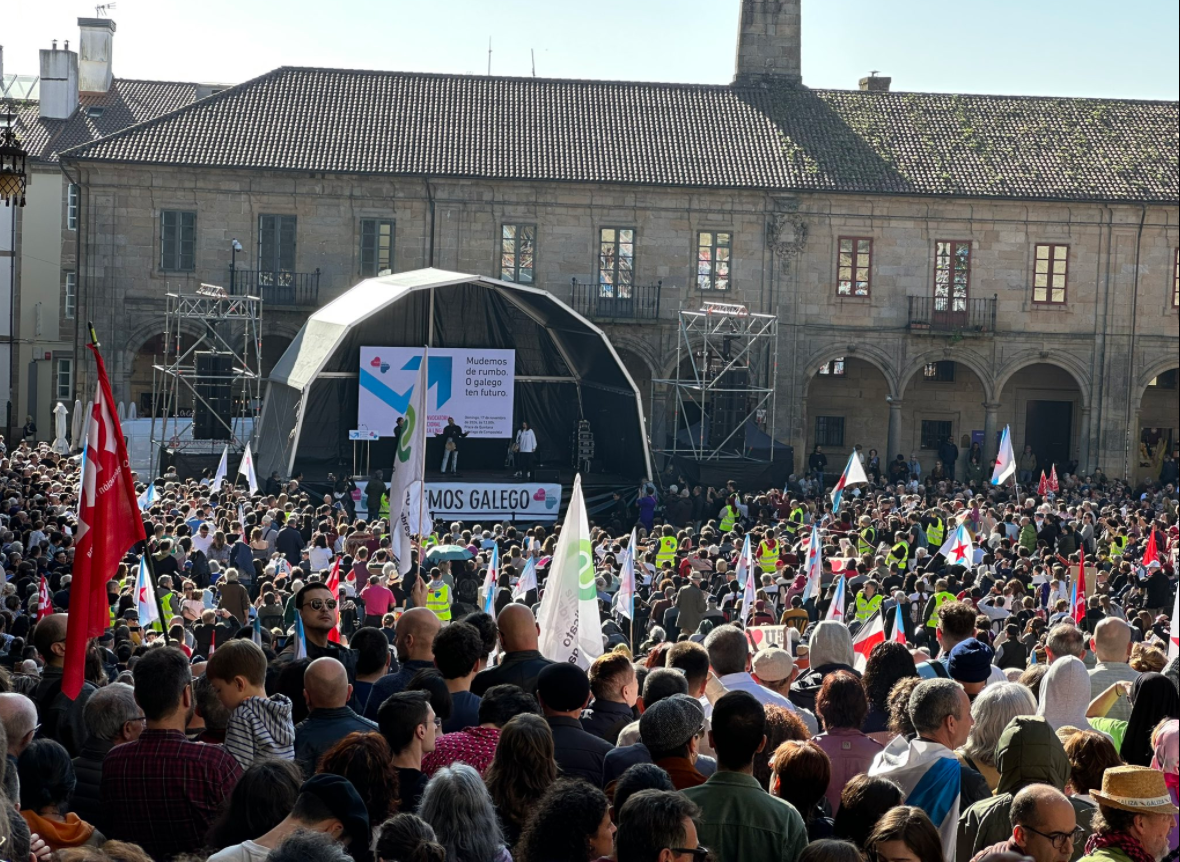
point(60, 445)
point(121, 411)
point(76, 425)
point(132, 413)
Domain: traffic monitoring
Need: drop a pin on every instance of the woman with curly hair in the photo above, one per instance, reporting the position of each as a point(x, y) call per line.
point(365, 760)
point(571, 823)
point(888, 663)
point(407, 838)
point(521, 771)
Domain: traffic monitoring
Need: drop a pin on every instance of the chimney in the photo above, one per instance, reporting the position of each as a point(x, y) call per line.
point(95, 65)
point(59, 83)
point(874, 84)
point(769, 42)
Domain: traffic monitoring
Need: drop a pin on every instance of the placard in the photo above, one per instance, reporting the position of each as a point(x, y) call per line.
point(479, 501)
point(474, 386)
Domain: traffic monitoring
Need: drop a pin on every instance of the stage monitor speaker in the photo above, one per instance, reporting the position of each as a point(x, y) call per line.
point(214, 385)
point(729, 408)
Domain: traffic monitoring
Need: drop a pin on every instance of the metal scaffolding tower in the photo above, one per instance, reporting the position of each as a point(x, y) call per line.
point(726, 369)
point(225, 391)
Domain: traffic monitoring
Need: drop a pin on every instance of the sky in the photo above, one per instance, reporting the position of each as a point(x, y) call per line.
point(1019, 47)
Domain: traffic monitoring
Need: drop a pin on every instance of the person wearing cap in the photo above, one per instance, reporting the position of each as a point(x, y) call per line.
point(1135, 816)
point(774, 669)
point(327, 804)
point(671, 730)
point(970, 666)
point(563, 691)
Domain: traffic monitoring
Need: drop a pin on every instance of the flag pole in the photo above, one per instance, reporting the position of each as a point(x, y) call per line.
point(147, 551)
point(425, 422)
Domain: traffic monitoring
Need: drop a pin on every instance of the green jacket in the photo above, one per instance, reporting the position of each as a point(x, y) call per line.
point(1028, 537)
point(1107, 854)
point(741, 822)
point(1028, 752)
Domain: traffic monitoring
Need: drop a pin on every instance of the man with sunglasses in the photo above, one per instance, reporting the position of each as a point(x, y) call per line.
point(1044, 827)
point(658, 826)
point(317, 607)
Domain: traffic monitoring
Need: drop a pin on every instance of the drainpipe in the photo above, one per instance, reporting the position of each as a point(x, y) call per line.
point(1131, 406)
point(1101, 335)
point(430, 205)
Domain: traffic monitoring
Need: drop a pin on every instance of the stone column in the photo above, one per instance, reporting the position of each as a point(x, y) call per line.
point(991, 419)
point(1084, 466)
point(894, 443)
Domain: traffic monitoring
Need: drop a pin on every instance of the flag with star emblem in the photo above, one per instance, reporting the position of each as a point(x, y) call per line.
point(959, 550)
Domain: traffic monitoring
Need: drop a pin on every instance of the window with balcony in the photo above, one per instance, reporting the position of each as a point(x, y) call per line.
point(854, 266)
point(70, 304)
point(952, 276)
point(72, 207)
point(178, 241)
point(616, 262)
point(713, 258)
point(835, 368)
point(934, 431)
point(940, 372)
point(376, 246)
point(518, 249)
point(276, 243)
point(829, 431)
point(1050, 274)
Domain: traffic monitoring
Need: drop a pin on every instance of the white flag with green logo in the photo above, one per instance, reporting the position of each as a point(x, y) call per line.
point(405, 485)
point(569, 620)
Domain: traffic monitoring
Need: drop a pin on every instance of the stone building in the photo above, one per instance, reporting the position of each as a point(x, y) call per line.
point(941, 265)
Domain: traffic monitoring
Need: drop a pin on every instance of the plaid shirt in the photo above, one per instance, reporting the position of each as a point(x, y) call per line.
point(162, 791)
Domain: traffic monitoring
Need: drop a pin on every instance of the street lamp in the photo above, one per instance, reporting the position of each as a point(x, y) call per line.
point(13, 175)
point(234, 248)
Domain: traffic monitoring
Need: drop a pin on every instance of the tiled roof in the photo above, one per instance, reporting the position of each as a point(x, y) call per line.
point(125, 104)
point(774, 137)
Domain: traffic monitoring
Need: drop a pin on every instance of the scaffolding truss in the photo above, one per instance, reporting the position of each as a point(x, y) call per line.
point(230, 326)
point(726, 370)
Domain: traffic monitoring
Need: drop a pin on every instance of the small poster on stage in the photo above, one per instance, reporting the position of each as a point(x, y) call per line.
point(471, 385)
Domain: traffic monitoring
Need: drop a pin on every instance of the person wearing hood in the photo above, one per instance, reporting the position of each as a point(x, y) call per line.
point(830, 650)
point(1028, 752)
point(1064, 694)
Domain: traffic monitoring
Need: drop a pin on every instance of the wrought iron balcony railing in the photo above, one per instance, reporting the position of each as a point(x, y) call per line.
point(615, 302)
point(943, 315)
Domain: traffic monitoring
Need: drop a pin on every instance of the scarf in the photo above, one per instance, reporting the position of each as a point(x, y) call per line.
point(1119, 841)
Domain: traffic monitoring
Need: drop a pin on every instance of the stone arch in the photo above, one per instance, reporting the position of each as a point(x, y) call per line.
point(874, 356)
point(134, 342)
point(642, 348)
point(967, 358)
point(1065, 361)
point(1154, 371)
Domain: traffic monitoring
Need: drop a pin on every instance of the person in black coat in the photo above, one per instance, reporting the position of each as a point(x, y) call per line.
point(290, 542)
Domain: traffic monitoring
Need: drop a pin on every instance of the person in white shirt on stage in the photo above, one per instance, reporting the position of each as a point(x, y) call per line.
point(526, 448)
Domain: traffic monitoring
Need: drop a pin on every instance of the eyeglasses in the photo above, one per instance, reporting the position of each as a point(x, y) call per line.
point(1060, 840)
point(698, 854)
point(438, 722)
point(320, 604)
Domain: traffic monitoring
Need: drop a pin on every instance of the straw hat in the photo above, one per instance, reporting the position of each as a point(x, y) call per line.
point(1135, 788)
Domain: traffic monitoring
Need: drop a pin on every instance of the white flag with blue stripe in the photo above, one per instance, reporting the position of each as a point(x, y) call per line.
point(929, 777)
point(148, 497)
point(625, 598)
point(490, 579)
point(300, 639)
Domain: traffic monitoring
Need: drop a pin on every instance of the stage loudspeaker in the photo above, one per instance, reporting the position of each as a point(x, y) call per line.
point(729, 409)
point(213, 384)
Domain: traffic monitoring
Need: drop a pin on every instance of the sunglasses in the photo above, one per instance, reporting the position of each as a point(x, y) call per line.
point(320, 604)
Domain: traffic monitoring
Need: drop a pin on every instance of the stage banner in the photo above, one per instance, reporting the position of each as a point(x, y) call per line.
point(474, 386)
point(471, 501)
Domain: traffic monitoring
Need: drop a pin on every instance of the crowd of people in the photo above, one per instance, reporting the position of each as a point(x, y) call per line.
point(304, 698)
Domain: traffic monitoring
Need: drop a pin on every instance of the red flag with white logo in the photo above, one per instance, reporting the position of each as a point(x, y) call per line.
point(44, 601)
point(1054, 485)
point(333, 584)
point(108, 525)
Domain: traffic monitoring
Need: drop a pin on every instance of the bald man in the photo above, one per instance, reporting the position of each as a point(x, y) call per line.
point(62, 719)
point(1044, 826)
point(326, 690)
point(522, 660)
point(18, 714)
point(413, 641)
point(1112, 645)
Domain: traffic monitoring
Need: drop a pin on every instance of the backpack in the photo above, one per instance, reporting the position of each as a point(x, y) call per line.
point(467, 591)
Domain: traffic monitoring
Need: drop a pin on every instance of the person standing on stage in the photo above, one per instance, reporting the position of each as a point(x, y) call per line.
point(451, 435)
point(526, 448)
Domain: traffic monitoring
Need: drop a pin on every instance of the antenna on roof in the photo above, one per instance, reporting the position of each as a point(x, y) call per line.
point(489, 55)
point(103, 10)
point(533, 54)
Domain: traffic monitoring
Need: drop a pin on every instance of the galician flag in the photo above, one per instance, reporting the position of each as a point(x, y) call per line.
point(300, 639)
point(408, 473)
point(246, 468)
point(256, 634)
point(929, 777)
point(814, 566)
point(836, 608)
point(958, 549)
point(568, 615)
point(147, 498)
point(527, 581)
point(744, 575)
point(899, 627)
point(1005, 460)
point(489, 581)
point(625, 597)
point(145, 597)
point(222, 470)
point(854, 474)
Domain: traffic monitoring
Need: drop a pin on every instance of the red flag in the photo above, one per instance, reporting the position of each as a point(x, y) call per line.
point(1151, 552)
point(333, 584)
point(108, 525)
point(1053, 485)
point(1079, 593)
point(44, 601)
point(1043, 485)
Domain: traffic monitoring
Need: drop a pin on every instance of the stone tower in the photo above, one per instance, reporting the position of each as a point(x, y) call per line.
point(769, 42)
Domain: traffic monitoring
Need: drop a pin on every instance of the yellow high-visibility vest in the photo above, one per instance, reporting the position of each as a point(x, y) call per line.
point(866, 607)
point(936, 533)
point(439, 600)
point(767, 556)
point(867, 543)
point(900, 554)
point(667, 551)
point(729, 517)
point(940, 599)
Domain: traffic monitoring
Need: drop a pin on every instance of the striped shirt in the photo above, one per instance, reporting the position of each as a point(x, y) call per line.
point(261, 727)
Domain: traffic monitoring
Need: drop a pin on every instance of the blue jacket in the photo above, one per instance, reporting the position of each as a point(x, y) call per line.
point(322, 729)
